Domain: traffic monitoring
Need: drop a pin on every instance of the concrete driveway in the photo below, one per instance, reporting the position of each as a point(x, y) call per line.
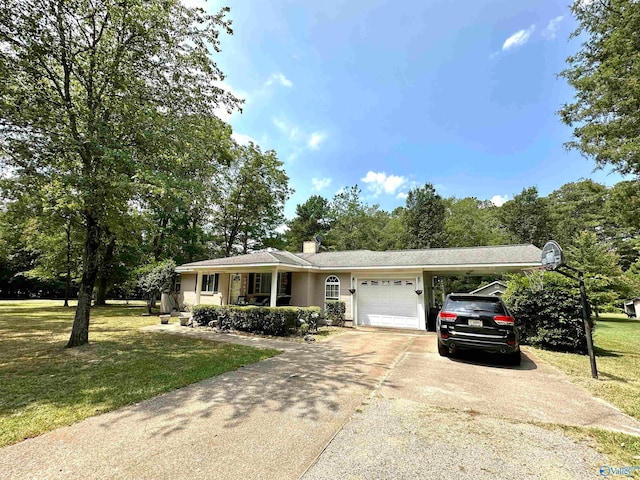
point(467, 418)
point(392, 401)
point(267, 420)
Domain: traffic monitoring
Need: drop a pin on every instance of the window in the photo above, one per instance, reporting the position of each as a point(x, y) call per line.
point(210, 283)
point(332, 288)
point(176, 283)
point(262, 283)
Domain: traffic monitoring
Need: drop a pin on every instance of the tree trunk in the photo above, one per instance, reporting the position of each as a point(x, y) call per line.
point(80, 331)
point(103, 272)
point(158, 241)
point(101, 290)
point(67, 284)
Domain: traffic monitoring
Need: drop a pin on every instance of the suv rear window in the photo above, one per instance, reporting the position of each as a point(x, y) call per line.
point(461, 305)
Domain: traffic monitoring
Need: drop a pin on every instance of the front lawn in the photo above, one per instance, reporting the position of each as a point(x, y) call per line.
point(617, 345)
point(44, 386)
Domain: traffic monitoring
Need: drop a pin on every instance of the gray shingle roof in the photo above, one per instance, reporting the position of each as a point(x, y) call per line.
point(263, 257)
point(493, 255)
point(502, 254)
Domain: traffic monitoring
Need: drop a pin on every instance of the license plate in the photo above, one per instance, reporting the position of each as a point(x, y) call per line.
point(475, 323)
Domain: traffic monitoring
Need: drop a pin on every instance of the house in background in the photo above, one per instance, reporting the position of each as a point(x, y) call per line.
point(384, 289)
point(496, 288)
point(632, 307)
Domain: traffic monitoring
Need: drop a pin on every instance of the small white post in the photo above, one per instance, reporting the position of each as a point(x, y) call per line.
point(198, 287)
point(274, 288)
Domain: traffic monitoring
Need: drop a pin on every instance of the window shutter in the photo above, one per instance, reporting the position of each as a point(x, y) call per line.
point(216, 278)
point(251, 282)
point(288, 285)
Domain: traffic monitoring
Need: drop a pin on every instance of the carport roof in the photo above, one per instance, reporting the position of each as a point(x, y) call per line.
point(457, 259)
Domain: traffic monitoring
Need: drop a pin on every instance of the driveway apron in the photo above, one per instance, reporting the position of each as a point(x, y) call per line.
point(267, 420)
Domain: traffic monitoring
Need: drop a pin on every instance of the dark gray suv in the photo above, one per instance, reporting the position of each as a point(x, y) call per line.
point(477, 322)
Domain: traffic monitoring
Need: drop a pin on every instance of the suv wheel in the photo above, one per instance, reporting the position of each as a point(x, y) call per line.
point(443, 350)
point(514, 358)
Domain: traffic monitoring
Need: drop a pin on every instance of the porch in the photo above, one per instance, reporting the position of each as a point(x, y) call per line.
point(241, 288)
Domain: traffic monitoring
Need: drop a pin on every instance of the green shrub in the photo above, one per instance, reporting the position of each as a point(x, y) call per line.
point(312, 316)
point(279, 321)
point(335, 313)
point(549, 317)
point(303, 329)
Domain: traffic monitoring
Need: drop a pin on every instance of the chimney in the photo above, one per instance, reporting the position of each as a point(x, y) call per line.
point(310, 247)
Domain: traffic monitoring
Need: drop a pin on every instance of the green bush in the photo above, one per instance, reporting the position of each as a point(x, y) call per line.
point(303, 329)
point(279, 321)
point(334, 312)
point(549, 317)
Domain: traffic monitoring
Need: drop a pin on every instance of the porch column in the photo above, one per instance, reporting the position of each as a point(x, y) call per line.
point(198, 287)
point(421, 310)
point(274, 287)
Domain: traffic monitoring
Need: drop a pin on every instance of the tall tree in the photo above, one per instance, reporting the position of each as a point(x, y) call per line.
point(312, 218)
point(250, 195)
point(527, 218)
point(605, 73)
point(86, 89)
point(603, 276)
point(354, 224)
point(472, 222)
point(578, 206)
point(424, 218)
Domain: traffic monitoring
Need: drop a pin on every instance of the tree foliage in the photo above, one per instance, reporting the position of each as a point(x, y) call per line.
point(526, 218)
point(88, 97)
point(424, 218)
point(605, 74)
point(250, 193)
point(472, 222)
point(312, 218)
point(155, 279)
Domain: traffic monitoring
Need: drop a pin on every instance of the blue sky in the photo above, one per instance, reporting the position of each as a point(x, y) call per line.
point(390, 95)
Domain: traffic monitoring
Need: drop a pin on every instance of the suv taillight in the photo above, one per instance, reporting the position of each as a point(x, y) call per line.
point(504, 320)
point(448, 316)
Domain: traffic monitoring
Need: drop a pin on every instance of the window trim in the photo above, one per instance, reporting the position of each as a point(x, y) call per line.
point(216, 283)
point(330, 283)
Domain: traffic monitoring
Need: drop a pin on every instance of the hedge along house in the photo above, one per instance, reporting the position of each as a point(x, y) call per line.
point(385, 289)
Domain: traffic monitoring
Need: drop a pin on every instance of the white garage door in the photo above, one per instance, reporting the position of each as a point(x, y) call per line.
point(388, 303)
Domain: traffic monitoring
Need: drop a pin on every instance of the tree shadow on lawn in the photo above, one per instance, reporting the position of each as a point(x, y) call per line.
point(309, 383)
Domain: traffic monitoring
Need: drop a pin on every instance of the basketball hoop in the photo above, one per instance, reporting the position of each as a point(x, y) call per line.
point(552, 256)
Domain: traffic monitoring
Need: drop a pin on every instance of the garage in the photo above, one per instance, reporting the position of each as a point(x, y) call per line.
point(388, 303)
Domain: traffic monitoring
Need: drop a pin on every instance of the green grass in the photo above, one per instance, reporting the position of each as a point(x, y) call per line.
point(621, 449)
point(617, 344)
point(44, 386)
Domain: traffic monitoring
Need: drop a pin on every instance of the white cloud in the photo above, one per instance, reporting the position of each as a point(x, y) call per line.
point(518, 39)
point(549, 31)
point(290, 131)
point(316, 139)
point(499, 200)
point(320, 183)
point(279, 78)
point(242, 139)
point(402, 196)
point(379, 182)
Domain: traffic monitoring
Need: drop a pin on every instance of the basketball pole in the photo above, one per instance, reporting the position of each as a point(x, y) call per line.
point(585, 315)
